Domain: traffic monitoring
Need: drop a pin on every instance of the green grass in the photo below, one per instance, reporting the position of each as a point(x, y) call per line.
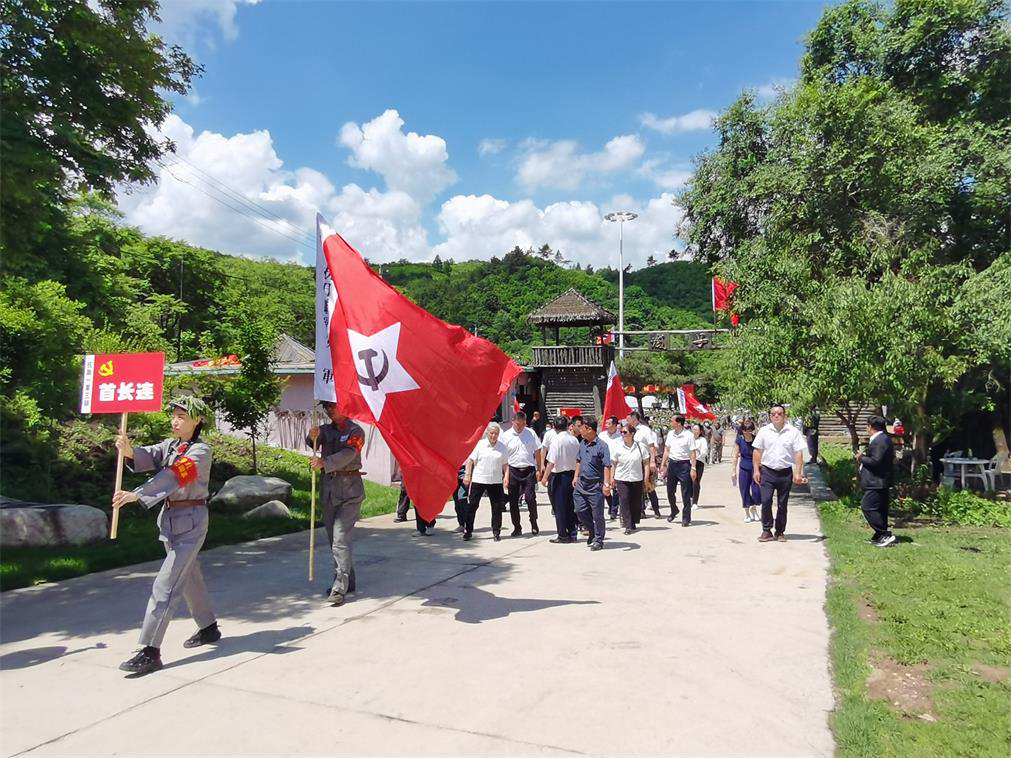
point(938, 604)
point(138, 534)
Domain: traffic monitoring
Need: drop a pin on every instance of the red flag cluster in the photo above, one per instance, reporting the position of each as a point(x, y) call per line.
point(693, 408)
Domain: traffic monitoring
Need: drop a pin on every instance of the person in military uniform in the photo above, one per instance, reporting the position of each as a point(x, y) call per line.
point(340, 445)
point(182, 466)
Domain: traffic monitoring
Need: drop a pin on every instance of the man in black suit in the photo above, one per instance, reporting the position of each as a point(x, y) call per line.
point(876, 464)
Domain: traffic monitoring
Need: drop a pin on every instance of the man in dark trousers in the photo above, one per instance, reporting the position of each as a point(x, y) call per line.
point(876, 464)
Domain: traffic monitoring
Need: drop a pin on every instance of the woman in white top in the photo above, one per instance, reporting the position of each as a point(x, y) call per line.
point(487, 471)
point(630, 460)
point(701, 448)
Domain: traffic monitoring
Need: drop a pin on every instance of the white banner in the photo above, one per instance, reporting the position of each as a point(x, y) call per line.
point(326, 301)
point(681, 401)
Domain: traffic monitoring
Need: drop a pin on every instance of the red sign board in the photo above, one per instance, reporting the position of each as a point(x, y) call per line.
point(122, 383)
point(570, 412)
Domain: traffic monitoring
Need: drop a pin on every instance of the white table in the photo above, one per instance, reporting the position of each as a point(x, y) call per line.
point(967, 463)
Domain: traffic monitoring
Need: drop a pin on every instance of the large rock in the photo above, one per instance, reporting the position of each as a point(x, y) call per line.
point(271, 509)
point(41, 525)
point(243, 493)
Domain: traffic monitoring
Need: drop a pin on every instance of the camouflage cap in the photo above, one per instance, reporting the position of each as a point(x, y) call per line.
point(193, 405)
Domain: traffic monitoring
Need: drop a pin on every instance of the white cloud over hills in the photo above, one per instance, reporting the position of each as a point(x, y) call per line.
point(235, 194)
point(560, 164)
point(697, 120)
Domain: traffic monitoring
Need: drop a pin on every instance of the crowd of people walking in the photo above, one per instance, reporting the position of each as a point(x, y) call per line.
point(595, 474)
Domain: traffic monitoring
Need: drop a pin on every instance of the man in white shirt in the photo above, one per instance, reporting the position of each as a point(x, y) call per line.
point(546, 440)
point(679, 464)
point(612, 436)
point(645, 436)
point(526, 459)
point(779, 454)
point(557, 476)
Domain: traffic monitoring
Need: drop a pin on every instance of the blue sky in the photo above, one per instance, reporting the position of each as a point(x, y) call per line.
point(529, 120)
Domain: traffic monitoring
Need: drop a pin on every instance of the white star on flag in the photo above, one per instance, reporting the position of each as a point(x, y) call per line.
point(379, 372)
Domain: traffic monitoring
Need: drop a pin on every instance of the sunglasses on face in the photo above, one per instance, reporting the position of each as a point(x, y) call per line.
point(626, 433)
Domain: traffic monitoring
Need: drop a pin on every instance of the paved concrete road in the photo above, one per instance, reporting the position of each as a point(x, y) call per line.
point(674, 641)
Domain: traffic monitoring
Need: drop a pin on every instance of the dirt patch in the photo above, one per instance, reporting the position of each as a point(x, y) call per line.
point(994, 674)
point(904, 688)
point(868, 612)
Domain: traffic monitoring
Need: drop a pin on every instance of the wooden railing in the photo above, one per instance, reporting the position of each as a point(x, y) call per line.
point(572, 355)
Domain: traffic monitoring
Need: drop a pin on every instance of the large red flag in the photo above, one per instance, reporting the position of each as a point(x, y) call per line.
point(614, 400)
point(430, 387)
point(693, 408)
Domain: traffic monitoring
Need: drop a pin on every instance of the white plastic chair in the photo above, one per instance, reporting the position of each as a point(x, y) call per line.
point(948, 474)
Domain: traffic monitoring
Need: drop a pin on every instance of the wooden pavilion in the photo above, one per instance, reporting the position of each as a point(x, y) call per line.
point(571, 376)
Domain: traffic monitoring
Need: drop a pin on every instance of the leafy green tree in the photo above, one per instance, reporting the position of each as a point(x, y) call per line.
point(643, 368)
point(864, 214)
point(82, 83)
point(247, 400)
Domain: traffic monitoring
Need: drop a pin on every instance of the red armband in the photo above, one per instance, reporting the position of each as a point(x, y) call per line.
point(185, 470)
point(357, 443)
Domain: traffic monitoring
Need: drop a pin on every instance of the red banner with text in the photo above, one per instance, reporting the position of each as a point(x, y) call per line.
point(122, 383)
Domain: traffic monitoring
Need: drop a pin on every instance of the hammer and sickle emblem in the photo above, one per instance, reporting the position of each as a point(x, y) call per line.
point(373, 380)
point(105, 369)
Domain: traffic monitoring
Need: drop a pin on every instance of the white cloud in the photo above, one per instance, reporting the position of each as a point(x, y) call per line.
point(697, 120)
point(408, 163)
point(665, 176)
point(490, 146)
point(482, 226)
point(233, 194)
point(773, 87)
point(561, 165)
point(188, 21)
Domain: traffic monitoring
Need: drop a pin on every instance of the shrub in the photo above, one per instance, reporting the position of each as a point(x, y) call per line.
point(965, 508)
point(840, 469)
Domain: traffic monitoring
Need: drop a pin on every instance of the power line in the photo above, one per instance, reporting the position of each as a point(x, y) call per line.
point(265, 223)
point(253, 205)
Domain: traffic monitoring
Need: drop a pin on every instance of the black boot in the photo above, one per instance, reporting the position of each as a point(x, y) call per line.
point(204, 636)
point(146, 661)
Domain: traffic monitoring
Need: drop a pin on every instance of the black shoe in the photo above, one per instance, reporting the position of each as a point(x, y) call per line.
point(467, 536)
point(400, 519)
point(627, 532)
point(534, 530)
point(351, 582)
point(596, 546)
point(517, 532)
point(886, 541)
point(560, 540)
point(336, 598)
point(145, 662)
point(589, 540)
point(670, 519)
point(656, 513)
point(686, 523)
point(497, 536)
point(205, 636)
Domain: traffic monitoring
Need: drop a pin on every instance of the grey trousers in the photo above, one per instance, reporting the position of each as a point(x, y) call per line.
point(183, 531)
point(339, 518)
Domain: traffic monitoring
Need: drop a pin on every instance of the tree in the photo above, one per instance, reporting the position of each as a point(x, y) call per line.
point(545, 251)
point(859, 212)
point(248, 399)
point(651, 261)
point(82, 84)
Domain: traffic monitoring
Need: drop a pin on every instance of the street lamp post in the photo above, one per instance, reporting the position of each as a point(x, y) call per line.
point(621, 217)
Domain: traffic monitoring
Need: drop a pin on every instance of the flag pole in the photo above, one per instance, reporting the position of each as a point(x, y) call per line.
point(114, 528)
point(312, 509)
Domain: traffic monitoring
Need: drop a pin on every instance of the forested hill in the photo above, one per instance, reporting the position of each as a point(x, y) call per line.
point(495, 297)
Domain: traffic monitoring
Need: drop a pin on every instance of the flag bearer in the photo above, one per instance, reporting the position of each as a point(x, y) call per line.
point(182, 467)
point(340, 445)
